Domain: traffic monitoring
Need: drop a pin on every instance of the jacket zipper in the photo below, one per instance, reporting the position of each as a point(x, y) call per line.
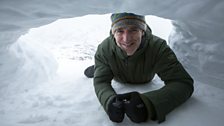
point(126, 68)
point(126, 62)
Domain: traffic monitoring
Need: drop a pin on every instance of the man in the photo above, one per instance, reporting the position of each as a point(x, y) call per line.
point(131, 54)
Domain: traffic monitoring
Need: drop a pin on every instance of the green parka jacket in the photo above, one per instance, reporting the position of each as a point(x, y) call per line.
point(154, 56)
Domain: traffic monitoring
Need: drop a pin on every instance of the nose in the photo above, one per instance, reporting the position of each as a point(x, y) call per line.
point(126, 37)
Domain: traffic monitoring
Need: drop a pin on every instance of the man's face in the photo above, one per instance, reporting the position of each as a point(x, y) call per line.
point(128, 39)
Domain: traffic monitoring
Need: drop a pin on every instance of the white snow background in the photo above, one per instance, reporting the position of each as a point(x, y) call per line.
point(64, 49)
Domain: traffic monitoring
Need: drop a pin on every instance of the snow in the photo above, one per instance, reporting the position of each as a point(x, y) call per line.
point(41, 72)
point(65, 48)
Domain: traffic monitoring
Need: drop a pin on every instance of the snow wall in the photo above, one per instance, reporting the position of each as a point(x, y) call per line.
point(198, 25)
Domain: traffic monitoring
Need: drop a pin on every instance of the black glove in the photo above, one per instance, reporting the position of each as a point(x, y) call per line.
point(89, 71)
point(134, 107)
point(116, 110)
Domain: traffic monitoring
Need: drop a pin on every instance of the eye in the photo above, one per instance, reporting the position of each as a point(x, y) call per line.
point(134, 29)
point(119, 31)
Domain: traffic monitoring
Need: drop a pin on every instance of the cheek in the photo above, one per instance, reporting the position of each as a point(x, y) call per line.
point(137, 39)
point(118, 40)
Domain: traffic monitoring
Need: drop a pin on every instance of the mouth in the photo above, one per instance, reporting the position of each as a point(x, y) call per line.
point(128, 45)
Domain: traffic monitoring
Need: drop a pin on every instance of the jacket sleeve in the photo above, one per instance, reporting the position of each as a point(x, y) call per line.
point(102, 78)
point(178, 83)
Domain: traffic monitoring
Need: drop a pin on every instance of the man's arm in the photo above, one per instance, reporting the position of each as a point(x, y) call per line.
point(102, 79)
point(178, 84)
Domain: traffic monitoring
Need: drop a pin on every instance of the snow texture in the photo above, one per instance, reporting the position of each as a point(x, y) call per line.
point(46, 45)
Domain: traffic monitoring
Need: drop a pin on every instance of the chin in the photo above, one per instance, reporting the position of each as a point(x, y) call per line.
point(130, 53)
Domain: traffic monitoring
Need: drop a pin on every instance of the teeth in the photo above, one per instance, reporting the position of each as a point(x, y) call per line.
point(128, 45)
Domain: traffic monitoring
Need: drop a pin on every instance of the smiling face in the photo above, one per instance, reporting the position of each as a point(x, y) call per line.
point(128, 39)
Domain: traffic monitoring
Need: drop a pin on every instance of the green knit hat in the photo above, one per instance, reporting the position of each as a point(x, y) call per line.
point(120, 20)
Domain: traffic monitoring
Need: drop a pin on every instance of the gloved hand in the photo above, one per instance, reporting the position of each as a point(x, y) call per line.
point(116, 110)
point(134, 107)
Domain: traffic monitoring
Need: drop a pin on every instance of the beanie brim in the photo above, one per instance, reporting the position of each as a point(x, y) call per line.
point(128, 22)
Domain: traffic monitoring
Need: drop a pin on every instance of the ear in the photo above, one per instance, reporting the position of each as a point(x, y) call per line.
point(143, 33)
